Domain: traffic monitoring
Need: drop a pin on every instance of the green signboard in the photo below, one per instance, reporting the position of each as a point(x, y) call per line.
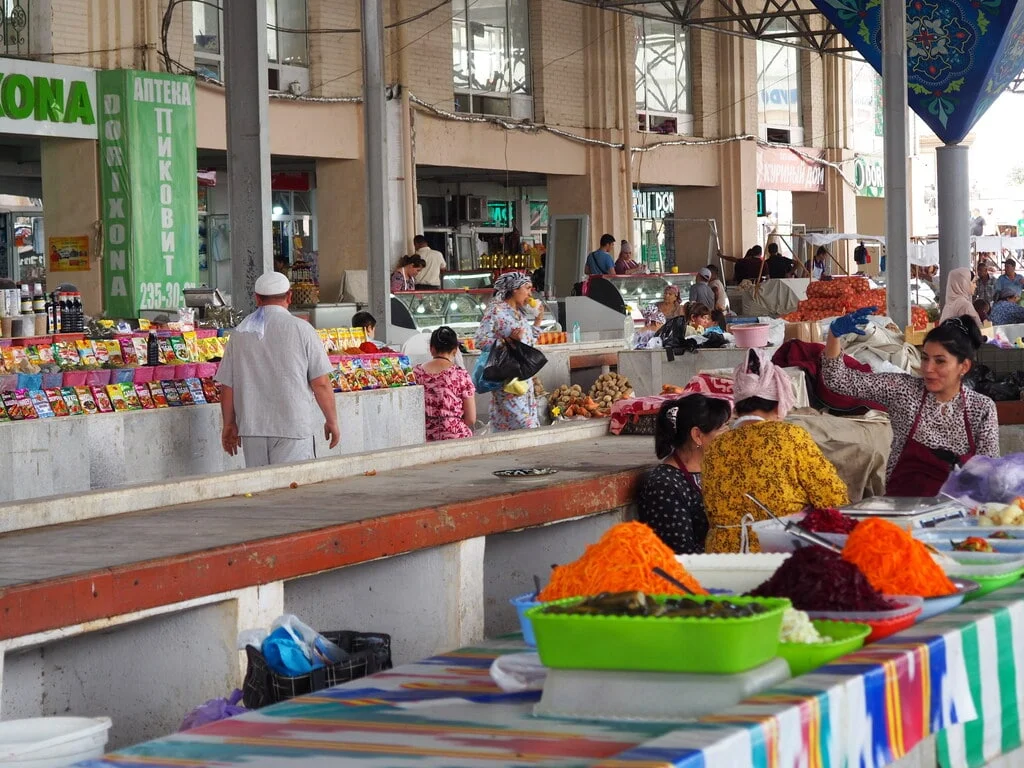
point(147, 145)
point(869, 176)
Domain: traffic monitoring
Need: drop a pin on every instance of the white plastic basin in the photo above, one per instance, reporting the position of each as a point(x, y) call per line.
point(52, 742)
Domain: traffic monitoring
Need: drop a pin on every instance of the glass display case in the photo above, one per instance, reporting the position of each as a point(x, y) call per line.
point(470, 280)
point(460, 310)
point(639, 291)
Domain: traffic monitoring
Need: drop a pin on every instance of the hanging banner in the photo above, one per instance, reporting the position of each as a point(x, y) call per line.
point(147, 146)
point(68, 254)
point(786, 170)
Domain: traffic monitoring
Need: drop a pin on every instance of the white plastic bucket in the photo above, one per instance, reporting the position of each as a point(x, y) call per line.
point(52, 742)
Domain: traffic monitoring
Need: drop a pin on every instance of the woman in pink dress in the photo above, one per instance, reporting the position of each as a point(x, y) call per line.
point(448, 391)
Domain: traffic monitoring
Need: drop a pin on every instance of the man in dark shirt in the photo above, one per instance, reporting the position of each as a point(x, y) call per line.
point(778, 265)
point(747, 268)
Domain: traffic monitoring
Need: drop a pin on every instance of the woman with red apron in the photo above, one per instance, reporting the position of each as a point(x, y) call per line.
point(937, 423)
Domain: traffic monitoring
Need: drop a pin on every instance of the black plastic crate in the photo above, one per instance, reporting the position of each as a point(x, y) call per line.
point(369, 652)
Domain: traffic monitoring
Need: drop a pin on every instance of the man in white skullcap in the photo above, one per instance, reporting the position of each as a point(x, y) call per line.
point(274, 367)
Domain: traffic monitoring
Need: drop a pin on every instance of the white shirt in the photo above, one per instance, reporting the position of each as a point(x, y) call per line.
point(430, 274)
point(270, 376)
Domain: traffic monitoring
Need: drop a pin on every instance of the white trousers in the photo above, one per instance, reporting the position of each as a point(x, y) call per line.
point(265, 451)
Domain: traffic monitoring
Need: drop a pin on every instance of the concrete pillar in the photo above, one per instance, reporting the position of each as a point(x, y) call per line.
point(248, 144)
point(835, 208)
point(894, 93)
point(375, 137)
point(341, 221)
point(953, 189)
point(74, 209)
point(595, 194)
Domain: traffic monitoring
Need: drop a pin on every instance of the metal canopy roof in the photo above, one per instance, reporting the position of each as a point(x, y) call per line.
point(807, 28)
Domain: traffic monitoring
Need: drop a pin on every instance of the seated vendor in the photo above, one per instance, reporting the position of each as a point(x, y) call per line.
point(368, 323)
point(669, 497)
point(937, 423)
point(1006, 310)
point(777, 463)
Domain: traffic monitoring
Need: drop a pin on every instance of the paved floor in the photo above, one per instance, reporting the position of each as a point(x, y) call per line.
point(76, 548)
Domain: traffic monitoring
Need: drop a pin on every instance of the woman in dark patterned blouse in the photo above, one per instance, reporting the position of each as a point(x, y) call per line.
point(670, 499)
point(937, 423)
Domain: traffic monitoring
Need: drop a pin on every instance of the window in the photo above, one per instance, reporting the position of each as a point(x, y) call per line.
point(778, 83)
point(491, 57)
point(284, 48)
point(662, 77)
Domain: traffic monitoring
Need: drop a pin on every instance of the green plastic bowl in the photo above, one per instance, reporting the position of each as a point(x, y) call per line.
point(646, 644)
point(847, 637)
point(988, 584)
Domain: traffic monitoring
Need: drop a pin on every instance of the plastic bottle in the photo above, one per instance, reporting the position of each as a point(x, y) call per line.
point(67, 321)
point(577, 335)
point(51, 322)
point(152, 350)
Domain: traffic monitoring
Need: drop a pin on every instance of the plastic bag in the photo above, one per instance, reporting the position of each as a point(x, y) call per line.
point(483, 386)
point(984, 480)
point(214, 710)
point(513, 359)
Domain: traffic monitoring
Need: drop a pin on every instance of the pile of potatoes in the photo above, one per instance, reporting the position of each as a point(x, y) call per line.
point(572, 402)
point(609, 388)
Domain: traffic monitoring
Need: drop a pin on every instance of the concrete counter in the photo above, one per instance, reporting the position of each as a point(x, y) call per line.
point(649, 369)
point(72, 454)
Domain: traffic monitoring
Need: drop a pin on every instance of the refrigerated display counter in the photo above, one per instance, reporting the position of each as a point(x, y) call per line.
point(617, 292)
point(459, 281)
point(462, 311)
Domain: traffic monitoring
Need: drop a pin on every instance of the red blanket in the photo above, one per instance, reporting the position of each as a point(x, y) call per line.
point(807, 356)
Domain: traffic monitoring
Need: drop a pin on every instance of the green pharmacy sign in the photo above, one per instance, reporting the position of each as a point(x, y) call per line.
point(147, 153)
point(38, 99)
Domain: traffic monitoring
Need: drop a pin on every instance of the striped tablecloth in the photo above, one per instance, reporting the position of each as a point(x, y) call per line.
point(954, 676)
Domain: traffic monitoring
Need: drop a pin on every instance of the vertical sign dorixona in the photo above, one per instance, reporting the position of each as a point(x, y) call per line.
point(147, 146)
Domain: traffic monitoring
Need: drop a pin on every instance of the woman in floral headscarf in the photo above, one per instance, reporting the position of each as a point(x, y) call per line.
point(777, 463)
point(508, 317)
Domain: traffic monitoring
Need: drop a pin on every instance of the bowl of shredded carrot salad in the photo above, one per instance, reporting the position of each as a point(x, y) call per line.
point(622, 560)
point(894, 562)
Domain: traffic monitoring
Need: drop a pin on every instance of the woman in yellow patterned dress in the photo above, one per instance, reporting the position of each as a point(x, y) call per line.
point(776, 462)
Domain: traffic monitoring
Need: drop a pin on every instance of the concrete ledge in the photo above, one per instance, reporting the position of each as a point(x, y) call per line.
point(85, 506)
point(40, 606)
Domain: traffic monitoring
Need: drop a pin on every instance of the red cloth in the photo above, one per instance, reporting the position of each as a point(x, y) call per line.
point(806, 356)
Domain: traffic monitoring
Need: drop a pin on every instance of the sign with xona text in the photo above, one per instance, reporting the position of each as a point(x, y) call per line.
point(39, 99)
point(147, 147)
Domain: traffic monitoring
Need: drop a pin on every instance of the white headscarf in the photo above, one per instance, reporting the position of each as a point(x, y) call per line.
point(509, 283)
point(772, 383)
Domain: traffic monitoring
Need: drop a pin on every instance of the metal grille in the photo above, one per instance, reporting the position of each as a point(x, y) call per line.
point(16, 28)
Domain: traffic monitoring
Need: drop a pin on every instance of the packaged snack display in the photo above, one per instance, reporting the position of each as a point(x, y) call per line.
point(184, 394)
point(102, 399)
point(362, 378)
point(66, 354)
point(57, 404)
point(114, 352)
point(181, 350)
point(410, 377)
point(41, 404)
point(86, 353)
point(102, 352)
point(3, 413)
point(130, 398)
point(192, 346)
point(195, 388)
point(141, 352)
point(157, 391)
point(389, 371)
point(167, 356)
point(128, 353)
point(171, 393)
point(28, 410)
point(11, 405)
point(116, 395)
point(86, 400)
point(145, 398)
point(211, 391)
point(71, 400)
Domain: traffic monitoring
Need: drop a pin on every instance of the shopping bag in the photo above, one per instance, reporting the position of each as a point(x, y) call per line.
point(483, 386)
point(512, 359)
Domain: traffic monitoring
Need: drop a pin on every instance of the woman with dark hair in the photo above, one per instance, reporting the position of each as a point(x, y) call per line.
point(776, 462)
point(937, 423)
point(404, 276)
point(506, 317)
point(448, 391)
point(669, 498)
